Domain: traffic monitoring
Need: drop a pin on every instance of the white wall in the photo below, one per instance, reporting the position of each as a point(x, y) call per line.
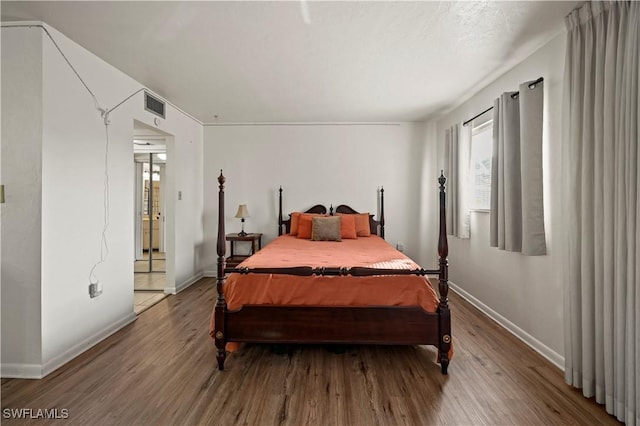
point(425, 162)
point(22, 177)
point(185, 174)
point(73, 153)
point(315, 164)
point(522, 292)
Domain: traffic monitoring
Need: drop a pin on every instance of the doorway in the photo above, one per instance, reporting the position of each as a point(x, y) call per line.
point(150, 260)
point(150, 184)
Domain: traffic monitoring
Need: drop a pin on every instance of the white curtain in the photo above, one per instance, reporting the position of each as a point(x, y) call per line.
point(517, 211)
point(456, 158)
point(602, 211)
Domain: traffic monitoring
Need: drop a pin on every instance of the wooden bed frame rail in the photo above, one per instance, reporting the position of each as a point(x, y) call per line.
point(307, 271)
point(381, 325)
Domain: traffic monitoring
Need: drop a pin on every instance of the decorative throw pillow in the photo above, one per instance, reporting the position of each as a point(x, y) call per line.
point(295, 220)
point(348, 227)
point(363, 228)
point(295, 223)
point(304, 226)
point(326, 228)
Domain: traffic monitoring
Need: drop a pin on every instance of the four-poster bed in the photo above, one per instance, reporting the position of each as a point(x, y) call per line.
point(286, 294)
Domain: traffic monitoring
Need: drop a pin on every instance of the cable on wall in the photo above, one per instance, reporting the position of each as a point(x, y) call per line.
point(168, 102)
point(128, 97)
point(94, 288)
point(94, 283)
point(95, 100)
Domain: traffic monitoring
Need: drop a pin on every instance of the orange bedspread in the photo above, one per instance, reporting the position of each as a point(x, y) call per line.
point(288, 251)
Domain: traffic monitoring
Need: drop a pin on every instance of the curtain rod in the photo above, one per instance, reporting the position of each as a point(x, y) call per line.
point(513, 95)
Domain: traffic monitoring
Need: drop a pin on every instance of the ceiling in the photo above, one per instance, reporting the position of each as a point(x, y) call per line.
point(304, 61)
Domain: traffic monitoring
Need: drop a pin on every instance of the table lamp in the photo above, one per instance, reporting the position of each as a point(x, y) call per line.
point(242, 214)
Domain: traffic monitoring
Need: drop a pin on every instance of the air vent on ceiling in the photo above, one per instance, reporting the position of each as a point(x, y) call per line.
point(153, 105)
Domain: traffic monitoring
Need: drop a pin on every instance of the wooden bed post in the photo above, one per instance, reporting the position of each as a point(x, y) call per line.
point(382, 212)
point(443, 277)
point(280, 212)
point(221, 304)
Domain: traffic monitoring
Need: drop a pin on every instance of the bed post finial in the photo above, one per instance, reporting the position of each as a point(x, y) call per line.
point(222, 245)
point(330, 209)
point(382, 212)
point(443, 244)
point(280, 212)
point(221, 304)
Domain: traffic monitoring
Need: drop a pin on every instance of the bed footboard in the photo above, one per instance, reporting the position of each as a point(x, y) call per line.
point(382, 325)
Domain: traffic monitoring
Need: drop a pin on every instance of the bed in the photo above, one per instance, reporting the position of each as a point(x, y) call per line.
point(292, 291)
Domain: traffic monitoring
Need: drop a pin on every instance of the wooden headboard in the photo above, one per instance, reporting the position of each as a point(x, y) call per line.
point(317, 209)
point(377, 226)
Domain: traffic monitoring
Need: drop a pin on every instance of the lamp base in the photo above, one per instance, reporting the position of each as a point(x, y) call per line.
point(242, 233)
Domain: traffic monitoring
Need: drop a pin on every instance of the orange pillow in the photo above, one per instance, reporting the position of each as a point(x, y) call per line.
point(363, 229)
point(295, 220)
point(304, 226)
point(348, 226)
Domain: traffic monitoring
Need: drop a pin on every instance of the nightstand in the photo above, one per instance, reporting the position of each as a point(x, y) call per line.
point(235, 259)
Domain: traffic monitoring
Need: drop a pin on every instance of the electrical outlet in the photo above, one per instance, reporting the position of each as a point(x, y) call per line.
point(400, 247)
point(95, 290)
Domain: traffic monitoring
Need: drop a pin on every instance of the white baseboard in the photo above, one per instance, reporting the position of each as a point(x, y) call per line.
point(58, 361)
point(36, 371)
point(210, 274)
point(554, 357)
point(184, 284)
point(21, 371)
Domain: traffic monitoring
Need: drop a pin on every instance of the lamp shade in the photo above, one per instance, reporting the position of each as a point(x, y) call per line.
point(242, 211)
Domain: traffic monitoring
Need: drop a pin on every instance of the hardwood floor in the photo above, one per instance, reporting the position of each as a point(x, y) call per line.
point(148, 289)
point(143, 300)
point(159, 262)
point(152, 281)
point(161, 370)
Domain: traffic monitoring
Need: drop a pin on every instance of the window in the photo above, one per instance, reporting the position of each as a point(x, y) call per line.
point(480, 167)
